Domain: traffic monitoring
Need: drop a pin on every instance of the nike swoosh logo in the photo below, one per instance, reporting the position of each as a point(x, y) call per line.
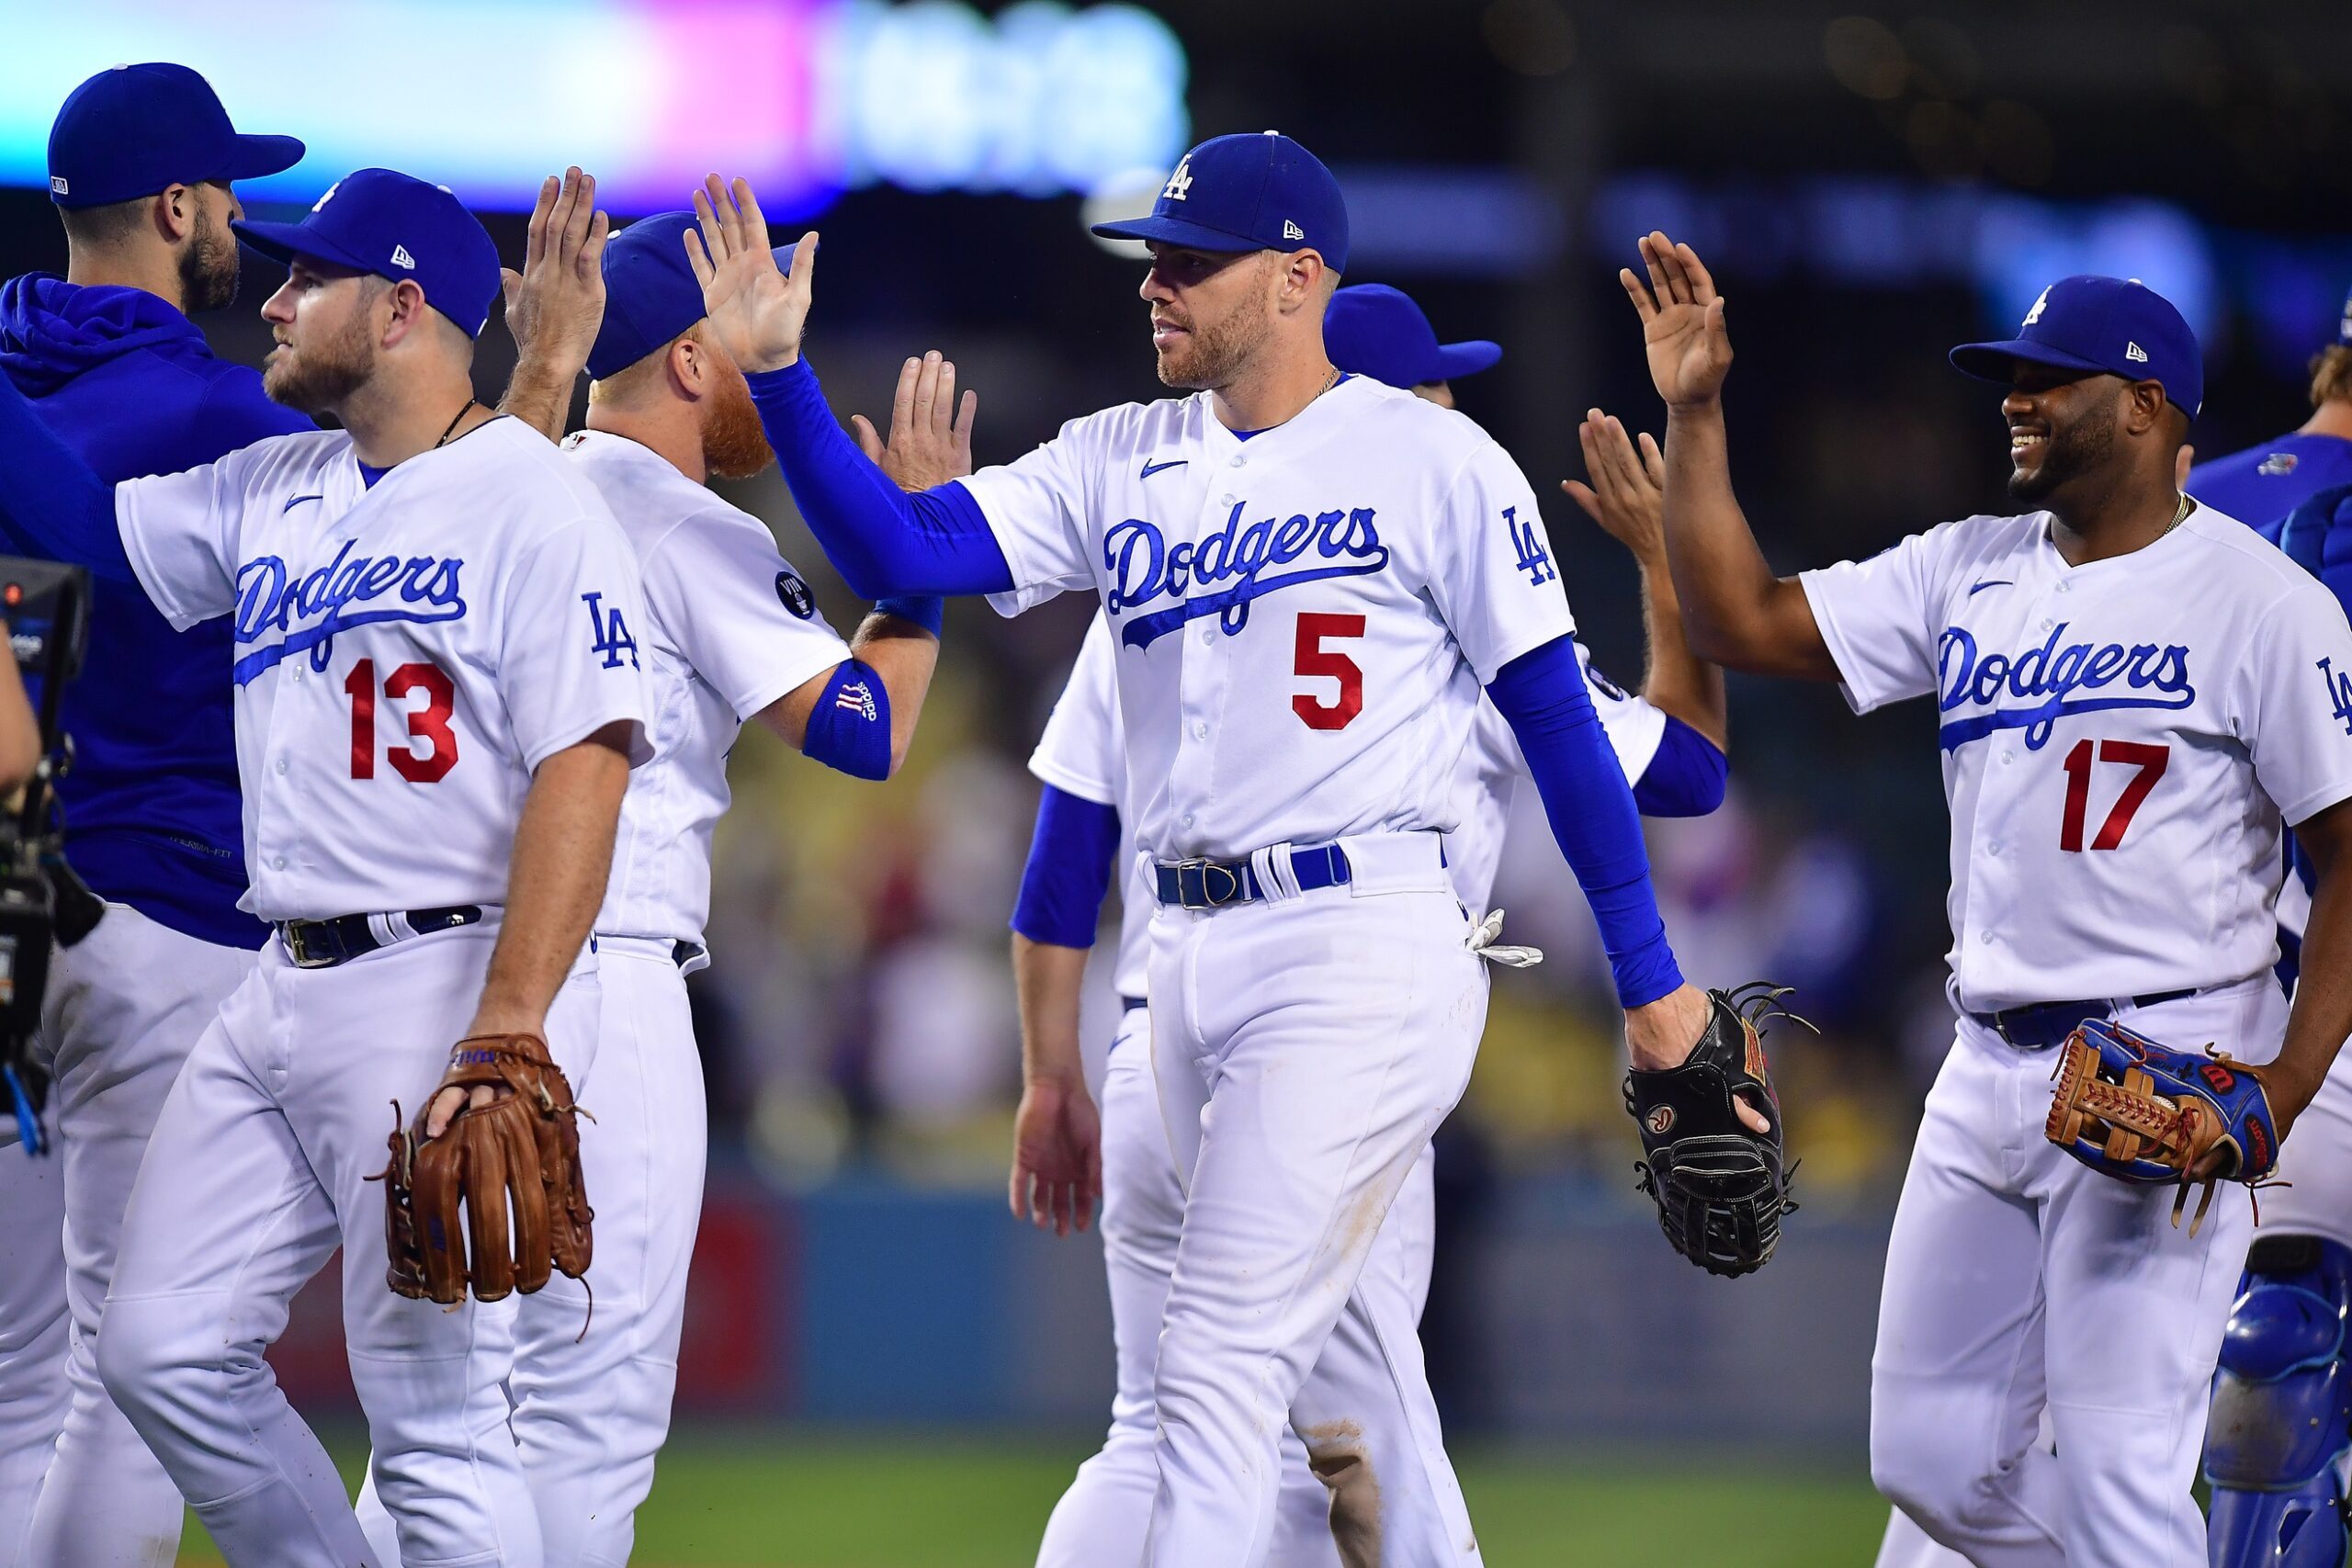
point(1151, 468)
point(1992, 583)
point(294, 500)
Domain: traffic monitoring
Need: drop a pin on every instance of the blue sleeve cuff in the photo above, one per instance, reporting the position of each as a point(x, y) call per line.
point(1685, 777)
point(1543, 695)
point(1070, 857)
point(925, 610)
point(883, 541)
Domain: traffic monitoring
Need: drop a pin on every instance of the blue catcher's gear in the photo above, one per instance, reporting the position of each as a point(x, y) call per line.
point(2276, 1447)
point(2317, 536)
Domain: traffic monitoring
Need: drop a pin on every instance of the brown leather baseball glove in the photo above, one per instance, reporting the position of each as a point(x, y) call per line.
point(518, 1155)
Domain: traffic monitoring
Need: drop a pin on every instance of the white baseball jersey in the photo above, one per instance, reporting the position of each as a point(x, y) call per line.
point(730, 628)
point(1492, 766)
point(2121, 742)
point(405, 655)
point(1083, 753)
point(1303, 619)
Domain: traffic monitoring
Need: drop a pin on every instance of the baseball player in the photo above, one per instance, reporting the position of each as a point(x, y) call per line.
point(2135, 702)
point(1060, 1160)
point(437, 701)
point(1310, 577)
point(732, 635)
point(2267, 481)
point(140, 160)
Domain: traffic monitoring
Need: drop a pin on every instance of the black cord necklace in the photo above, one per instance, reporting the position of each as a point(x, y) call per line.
point(453, 425)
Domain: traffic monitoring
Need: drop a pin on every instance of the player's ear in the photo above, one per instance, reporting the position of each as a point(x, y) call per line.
point(173, 210)
point(689, 365)
point(2144, 407)
point(404, 309)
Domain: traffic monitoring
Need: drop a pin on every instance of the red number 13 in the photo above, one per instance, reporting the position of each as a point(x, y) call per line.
point(2150, 761)
point(430, 722)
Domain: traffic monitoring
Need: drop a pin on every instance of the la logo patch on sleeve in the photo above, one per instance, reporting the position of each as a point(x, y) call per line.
point(794, 594)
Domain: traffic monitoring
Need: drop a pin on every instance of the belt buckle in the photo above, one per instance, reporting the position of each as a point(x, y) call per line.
point(300, 948)
point(1212, 896)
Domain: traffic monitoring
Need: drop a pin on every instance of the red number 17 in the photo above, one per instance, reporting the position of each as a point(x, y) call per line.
point(2150, 761)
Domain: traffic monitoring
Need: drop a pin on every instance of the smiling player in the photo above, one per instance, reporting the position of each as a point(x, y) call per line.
point(2131, 709)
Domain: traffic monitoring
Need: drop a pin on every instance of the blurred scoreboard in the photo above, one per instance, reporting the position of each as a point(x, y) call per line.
point(804, 97)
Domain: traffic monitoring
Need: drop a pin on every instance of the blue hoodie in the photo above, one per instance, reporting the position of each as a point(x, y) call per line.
point(152, 814)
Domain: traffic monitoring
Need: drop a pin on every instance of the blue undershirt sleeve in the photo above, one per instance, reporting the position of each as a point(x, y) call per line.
point(51, 505)
point(1070, 858)
point(1543, 695)
point(882, 540)
point(1685, 777)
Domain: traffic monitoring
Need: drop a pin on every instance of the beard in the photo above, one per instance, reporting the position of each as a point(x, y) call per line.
point(1213, 356)
point(316, 380)
point(209, 267)
point(734, 445)
point(2071, 453)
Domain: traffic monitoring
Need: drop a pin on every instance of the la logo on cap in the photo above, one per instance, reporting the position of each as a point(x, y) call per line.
point(329, 197)
point(2035, 314)
point(1177, 183)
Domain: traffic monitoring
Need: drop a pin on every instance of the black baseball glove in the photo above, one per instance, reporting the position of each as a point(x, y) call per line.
point(1721, 1187)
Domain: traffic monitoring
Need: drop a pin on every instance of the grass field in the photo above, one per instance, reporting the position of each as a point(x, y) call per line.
point(757, 1500)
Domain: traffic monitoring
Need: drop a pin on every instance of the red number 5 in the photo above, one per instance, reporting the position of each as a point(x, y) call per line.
point(1313, 659)
point(2152, 761)
point(430, 722)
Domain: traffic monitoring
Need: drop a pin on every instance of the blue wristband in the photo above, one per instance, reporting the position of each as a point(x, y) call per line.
point(925, 610)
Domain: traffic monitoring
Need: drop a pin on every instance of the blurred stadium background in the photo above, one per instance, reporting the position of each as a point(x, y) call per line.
point(882, 1367)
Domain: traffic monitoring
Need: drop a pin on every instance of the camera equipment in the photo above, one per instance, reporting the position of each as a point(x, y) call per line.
point(47, 607)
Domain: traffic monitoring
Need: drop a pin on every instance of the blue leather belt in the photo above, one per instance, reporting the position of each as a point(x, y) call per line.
point(2040, 1025)
point(323, 945)
point(1213, 883)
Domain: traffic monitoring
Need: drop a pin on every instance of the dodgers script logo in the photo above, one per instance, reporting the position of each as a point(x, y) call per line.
point(2045, 684)
point(1144, 566)
point(307, 611)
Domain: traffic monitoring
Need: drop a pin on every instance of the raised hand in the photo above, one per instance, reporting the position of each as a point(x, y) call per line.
point(926, 447)
point(757, 310)
point(1682, 323)
point(1627, 493)
point(1056, 1155)
point(556, 304)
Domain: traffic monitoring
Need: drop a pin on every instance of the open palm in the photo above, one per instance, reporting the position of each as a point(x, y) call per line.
point(1682, 321)
point(757, 310)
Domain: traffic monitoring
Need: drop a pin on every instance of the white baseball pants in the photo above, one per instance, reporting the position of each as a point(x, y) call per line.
point(33, 1393)
point(2315, 1164)
point(2017, 1276)
point(257, 1170)
point(125, 1005)
point(592, 1410)
point(1305, 1050)
point(1102, 1520)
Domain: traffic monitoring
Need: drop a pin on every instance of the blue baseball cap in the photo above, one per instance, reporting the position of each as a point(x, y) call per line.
point(651, 295)
point(1247, 193)
point(1369, 329)
point(395, 226)
point(131, 130)
point(2118, 325)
